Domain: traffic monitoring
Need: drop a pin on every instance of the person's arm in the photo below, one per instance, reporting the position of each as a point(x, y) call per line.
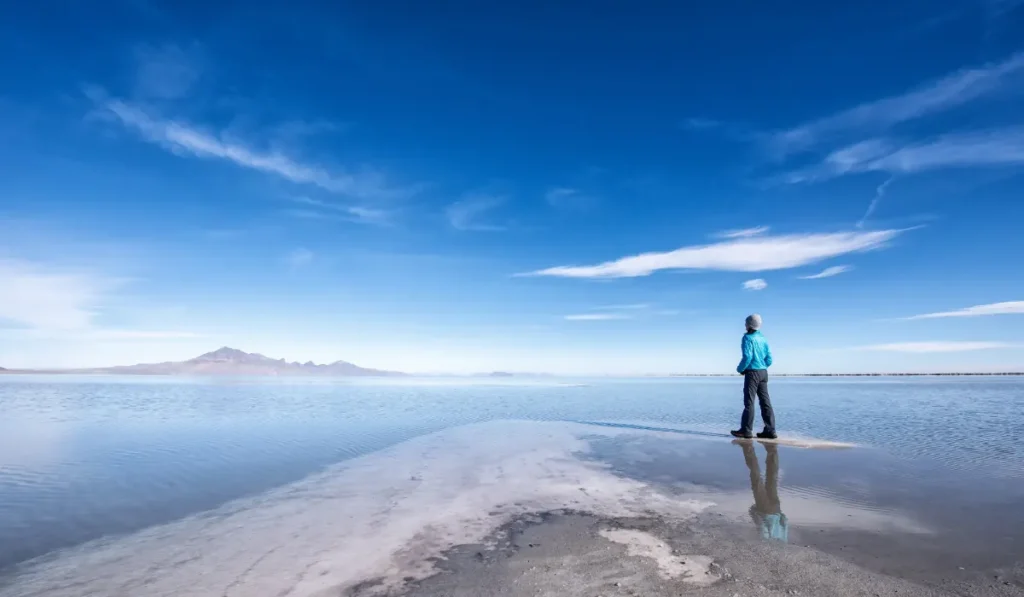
point(748, 355)
point(767, 355)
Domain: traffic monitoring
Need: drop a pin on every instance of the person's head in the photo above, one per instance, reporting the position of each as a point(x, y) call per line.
point(753, 323)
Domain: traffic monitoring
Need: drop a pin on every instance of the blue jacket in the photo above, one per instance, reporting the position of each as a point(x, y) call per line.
point(756, 354)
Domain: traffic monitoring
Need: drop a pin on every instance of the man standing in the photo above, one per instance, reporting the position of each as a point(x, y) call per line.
point(757, 357)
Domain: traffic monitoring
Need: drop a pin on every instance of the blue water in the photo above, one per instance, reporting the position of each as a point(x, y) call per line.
point(86, 457)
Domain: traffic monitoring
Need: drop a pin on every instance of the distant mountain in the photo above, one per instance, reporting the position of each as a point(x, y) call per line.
point(231, 361)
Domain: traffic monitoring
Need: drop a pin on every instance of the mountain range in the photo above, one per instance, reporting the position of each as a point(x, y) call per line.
point(231, 361)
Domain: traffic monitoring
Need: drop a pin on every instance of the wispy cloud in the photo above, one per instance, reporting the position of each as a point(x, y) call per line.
point(929, 347)
point(300, 257)
point(828, 272)
point(951, 91)
point(558, 196)
point(568, 198)
point(1005, 308)
point(996, 147)
point(49, 298)
point(763, 253)
point(701, 124)
point(755, 284)
point(879, 193)
point(468, 213)
point(743, 232)
point(597, 316)
point(45, 301)
point(184, 139)
point(329, 210)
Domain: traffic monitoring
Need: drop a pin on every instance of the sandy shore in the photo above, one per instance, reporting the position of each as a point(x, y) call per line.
point(534, 509)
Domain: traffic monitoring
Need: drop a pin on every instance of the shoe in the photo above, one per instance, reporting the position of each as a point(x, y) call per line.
point(741, 435)
point(767, 435)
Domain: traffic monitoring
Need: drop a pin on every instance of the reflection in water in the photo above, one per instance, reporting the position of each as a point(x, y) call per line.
point(766, 511)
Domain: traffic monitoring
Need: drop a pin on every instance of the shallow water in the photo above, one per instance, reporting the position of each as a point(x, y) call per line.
point(83, 458)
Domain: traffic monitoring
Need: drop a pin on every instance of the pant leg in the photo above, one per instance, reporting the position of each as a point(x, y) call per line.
point(772, 479)
point(767, 412)
point(749, 393)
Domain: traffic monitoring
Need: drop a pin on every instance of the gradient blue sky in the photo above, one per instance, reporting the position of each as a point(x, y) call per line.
point(571, 187)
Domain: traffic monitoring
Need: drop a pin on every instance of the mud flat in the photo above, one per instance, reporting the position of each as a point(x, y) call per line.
point(575, 554)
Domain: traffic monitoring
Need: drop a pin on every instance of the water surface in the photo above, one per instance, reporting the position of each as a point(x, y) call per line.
point(85, 458)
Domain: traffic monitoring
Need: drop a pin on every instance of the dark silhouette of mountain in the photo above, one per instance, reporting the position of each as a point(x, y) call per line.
point(231, 361)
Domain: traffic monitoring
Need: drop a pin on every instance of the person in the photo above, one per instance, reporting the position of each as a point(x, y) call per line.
point(757, 357)
point(766, 512)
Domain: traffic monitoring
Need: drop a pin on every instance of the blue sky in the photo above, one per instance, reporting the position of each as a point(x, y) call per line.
point(573, 187)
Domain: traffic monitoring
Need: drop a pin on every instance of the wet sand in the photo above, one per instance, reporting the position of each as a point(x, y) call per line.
point(522, 508)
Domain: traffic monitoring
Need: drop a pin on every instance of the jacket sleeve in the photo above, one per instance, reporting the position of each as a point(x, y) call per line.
point(767, 355)
point(746, 348)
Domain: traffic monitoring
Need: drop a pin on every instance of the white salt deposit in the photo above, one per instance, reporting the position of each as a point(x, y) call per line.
point(692, 569)
point(378, 516)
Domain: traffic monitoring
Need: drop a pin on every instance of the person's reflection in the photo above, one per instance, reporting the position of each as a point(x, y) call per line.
point(766, 511)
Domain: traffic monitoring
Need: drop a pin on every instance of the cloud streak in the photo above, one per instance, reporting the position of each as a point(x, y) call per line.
point(48, 298)
point(755, 284)
point(327, 210)
point(186, 140)
point(743, 232)
point(935, 347)
point(879, 193)
point(467, 214)
point(951, 91)
point(764, 253)
point(1004, 308)
point(49, 302)
point(995, 147)
point(828, 272)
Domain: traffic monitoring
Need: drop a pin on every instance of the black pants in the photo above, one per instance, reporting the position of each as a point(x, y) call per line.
point(755, 385)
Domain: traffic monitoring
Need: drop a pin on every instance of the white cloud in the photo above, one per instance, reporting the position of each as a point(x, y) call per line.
point(568, 198)
point(1005, 308)
point(55, 303)
point(763, 253)
point(41, 297)
point(996, 147)
point(929, 347)
point(467, 213)
point(184, 139)
point(300, 257)
point(951, 91)
point(597, 317)
point(743, 232)
point(755, 284)
point(327, 210)
point(828, 272)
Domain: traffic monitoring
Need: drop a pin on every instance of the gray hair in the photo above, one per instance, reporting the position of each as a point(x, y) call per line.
point(753, 322)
